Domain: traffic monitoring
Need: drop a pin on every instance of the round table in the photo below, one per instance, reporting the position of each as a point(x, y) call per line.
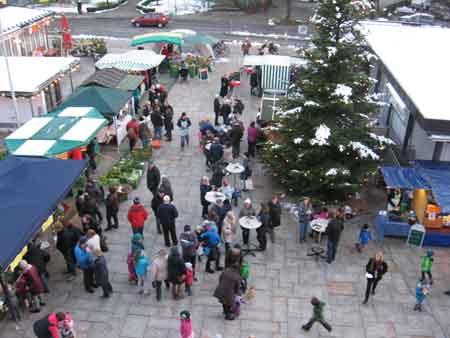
point(249, 223)
point(213, 196)
point(319, 225)
point(235, 169)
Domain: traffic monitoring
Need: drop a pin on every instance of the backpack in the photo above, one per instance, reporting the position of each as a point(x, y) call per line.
point(245, 270)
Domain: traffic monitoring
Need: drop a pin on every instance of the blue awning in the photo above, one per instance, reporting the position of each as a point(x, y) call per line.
point(439, 181)
point(30, 190)
point(404, 178)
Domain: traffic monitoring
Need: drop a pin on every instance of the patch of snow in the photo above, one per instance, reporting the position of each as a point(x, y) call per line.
point(321, 136)
point(335, 171)
point(222, 60)
point(271, 22)
point(180, 7)
point(363, 150)
point(341, 148)
point(270, 36)
point(298, 140)
point(381, 139)
point(331, 51)
point(276, 146)
point(311, 104)
point(104, 37)
point(290, 111)
point(344, 91)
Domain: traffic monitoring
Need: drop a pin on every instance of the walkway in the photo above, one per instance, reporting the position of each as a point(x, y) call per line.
point(284, 277)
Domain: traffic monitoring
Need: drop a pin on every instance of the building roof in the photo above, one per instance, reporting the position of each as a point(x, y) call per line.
point(130, 82)
point(31, 74)
point(14, 18)
point(107, 101)
point(108, 77)
point(418, 58)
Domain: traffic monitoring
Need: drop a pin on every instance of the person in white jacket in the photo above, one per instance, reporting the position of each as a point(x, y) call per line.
point(229, 229)
point(159, 272)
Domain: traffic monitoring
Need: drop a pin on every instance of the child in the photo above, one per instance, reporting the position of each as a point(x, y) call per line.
point(317, 315)
point(364, 237)
point(186, 325)
point(189, 278)
point(245, 273)
point(427, 263)
point(421, 293)
point(141, 268)
point(67, 327)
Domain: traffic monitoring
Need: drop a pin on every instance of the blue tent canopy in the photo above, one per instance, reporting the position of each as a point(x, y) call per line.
point(30, 190)
point(404, 178)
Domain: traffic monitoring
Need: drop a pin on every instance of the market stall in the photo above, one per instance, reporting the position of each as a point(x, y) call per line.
point(418, 193)
point(115, 105)
point(57, 133)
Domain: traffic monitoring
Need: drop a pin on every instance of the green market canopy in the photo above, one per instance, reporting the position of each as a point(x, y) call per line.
point(56, 133)
point(164, 37)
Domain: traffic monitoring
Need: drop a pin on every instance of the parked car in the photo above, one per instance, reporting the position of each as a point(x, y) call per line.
point(404, 10)
point(151, 19)
point(418, 18)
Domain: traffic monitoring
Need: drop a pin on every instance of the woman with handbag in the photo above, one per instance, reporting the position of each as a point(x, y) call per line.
point(176, 271)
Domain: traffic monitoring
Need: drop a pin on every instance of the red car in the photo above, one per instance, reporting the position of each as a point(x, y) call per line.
point(151, 19)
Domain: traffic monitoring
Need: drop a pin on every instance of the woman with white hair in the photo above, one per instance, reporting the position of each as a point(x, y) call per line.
point(246, 211)
point(167, 214)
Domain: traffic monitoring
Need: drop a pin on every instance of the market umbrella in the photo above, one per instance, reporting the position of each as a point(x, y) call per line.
point(132, 61)
point(165, 37)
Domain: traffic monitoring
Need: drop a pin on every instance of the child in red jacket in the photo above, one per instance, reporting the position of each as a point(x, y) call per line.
point(189, 278)
point(137, 215)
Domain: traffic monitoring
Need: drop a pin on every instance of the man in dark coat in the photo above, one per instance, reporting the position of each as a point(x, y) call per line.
point(101, 273)
point(157, 121)
point(236, 134)
point(167, 213)
point(189, 244)
point(216, 105)
point(275, 216)
point(227, 290)
point(153, 177)
point(65, 243)
point(156, 203)
point(225, 111)
point(224, 84)
point(333, 232)
point(39, 258)
point(216, 151)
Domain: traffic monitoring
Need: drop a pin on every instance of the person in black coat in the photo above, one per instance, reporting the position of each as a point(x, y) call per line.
point(216, 105)
point(236, 134)
point(167, 213)
point(217, 176)
point(65, 243)
point(156, 203)
point(264, 218)
point(375, 270)
point(224, 84)
point(101, 273)
point(168, 120)
point(216, 151)
point(91, 208)
point(205, 187)
point(176, 271)
point(333, 232)
point(39, 258)
point(275, 216)
point(225, 111)
point(153, 177)
point(158, 123)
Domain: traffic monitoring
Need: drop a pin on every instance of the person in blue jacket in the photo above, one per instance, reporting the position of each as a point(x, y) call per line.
point(211, 242)
point(141, 268)
point(85, 262)
point(364, 237)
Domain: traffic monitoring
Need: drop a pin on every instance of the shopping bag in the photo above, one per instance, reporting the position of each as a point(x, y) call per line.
point(156, 144)
point(248, 184)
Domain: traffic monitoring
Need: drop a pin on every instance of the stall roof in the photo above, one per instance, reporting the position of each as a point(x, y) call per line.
point(418, 59)
point(404, 178)
point(132, 61)
point(108, 77)
point(34, 185)
point(271, 60)
point(130, 82)
point(56, 133)
point(14, 18)
point(108, 101)
point(31, 74)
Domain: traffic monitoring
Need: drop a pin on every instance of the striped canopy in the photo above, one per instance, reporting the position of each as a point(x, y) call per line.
point(56, 133)
point(275, 78)
point(165, 37)
point(132, 61)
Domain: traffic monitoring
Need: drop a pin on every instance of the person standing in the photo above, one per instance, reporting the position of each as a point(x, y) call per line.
point(229, 230)
point(137, 215)
point(156, 203)
point(166, 187)
point(132, 132)
point(91, 208)
point(141, 268)
point(264, 218)
point(90, 151)
point(65, 245)
point(216, 107)
point(236, 134)
point(225, 111)
point(216, 151)
point(245, 47)
point(189, 244)
point(375, 270)
point(48, 327)
point(224, 84)
point(317, 316)
point(246, 211)
point(157, 121)
point(275, 216)
point(159, 272)
point(333, 232)
point(112, 208)
point(253, 83)
point(176, 271)
point(39, 258)
point(144, 132)
point(85, 262)
point(153, 177)
point(211, 240)
point(426, 264)
point(252, 137)
point(304, 216)
point(184, 123)
point(33, 284)
point(93, 241)
point(101, 273)
point(168, 120)
point(205, 187)
point(229, 287)
point(167, 214)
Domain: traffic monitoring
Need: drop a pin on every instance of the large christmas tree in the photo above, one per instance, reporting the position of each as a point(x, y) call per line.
point(320, 142)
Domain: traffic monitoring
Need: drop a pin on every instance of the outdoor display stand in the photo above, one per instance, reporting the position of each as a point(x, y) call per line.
point(416, 235)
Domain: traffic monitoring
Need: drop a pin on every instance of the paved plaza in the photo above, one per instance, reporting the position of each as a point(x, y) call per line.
point(285, 278)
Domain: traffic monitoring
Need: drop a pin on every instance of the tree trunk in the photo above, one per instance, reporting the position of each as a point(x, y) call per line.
point(288, 9)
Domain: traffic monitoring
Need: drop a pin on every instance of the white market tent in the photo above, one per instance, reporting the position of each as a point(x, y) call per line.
point(132, 61)
point(419, 59)
point(31, 74)
point(14, 18)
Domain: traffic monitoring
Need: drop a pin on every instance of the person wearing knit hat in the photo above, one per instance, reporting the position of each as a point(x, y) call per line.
point(33, 283)
point(246, 211)
point(137, 215)
point(186, 325)
point(189, 280)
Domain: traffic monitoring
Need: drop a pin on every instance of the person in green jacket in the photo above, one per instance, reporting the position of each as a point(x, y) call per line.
point(427, 263)
point(317, 315)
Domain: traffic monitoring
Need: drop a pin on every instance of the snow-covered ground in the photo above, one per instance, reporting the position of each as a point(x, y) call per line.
point(179, 7)
point(268, 36)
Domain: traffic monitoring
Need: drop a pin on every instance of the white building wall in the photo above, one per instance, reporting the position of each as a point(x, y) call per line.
point(423, 146)
point(27, 108)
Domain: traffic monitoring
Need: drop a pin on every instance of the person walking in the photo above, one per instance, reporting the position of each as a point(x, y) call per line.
point(426, 264)
point(168, 120)
point(158, 123)
point(225, 111)
point(216, 107)
point(137, 215)
point(229, 230)
point(246, 211)
point(184, 123)
point(252, 137)
point(205, 187)
point(304, 217)
point(211, 241)
point(333, 232)
point(216, 152)
point(264, 218)
point(91, 208)
point(176, 271)
point(144, 132)
point(85, 262)
point(422, 290)
point(167, 214)
point(48, 327)
point(245, 47)
point(224, 85)
point(34, 285)
point(228, 289)
point(141, 268)
point(236, 134)
point(275, 216)
point(189, 280)
point(153, 177)
point(317, 315)
point(112, 208)
point(101, 273)
point(375, 270)
point(159, 272)
point(93, 240)
point(166, 187)
point(189, 245)
point(156, 203)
